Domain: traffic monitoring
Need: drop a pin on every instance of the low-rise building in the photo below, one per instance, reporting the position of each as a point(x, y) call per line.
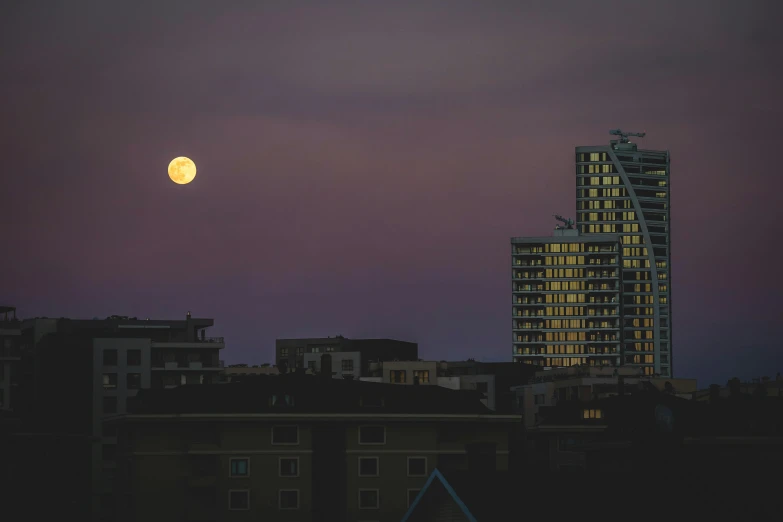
point(290, 353)
point(584, 383)
point(492, 380)
point(297, 447)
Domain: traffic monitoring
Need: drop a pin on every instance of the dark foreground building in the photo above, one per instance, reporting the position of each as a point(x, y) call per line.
point(297, 447)
point(75, 372)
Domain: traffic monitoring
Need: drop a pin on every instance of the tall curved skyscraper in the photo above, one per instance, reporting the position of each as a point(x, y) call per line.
point(623, 190)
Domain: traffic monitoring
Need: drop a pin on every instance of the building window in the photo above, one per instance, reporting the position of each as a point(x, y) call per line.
point(109, 405)
point(240, 467)
point(412, 494)
point(417, 466)
point(592, 414)
point(133, 381)
point(368, 467)
point(311, 365)
point(289, 466)
point(239, 499)
point(315, 349)
point(283, 352)
point(369, 499)
point(109, 429)
point(372, 435)
point(108, 451)
point(289, 499)
point(347, 365)
point(109, 380)
point(282, 400)
point(422, 375)
point(110, 357)
point(134, 357)
point(397, 376)
point(285, 435)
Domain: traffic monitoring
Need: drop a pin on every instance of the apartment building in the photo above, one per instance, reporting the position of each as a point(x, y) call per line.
point(290, 353)
point(566, 293)
point(296, 447)
point(623, 190)
point(10, 356)
point(84, 370)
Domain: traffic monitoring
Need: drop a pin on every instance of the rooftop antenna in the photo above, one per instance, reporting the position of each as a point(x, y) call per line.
point(625, 135)
point(568, 223)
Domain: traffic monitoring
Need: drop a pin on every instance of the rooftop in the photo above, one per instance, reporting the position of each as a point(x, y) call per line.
point(296, 393)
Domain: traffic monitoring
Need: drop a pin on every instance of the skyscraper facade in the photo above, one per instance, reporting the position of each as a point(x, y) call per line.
point(566, 299)
point(624, 191)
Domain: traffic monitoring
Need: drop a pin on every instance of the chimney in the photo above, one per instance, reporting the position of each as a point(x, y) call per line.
point(326, 365)
point(482, 457)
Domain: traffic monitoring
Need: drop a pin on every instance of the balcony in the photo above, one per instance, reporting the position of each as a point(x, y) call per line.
point(200, 342)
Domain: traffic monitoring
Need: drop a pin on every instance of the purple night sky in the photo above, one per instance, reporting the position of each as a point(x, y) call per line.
point(362, 165)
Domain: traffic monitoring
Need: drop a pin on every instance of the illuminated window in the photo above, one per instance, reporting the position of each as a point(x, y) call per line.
point(592, 414)
point(398, 376)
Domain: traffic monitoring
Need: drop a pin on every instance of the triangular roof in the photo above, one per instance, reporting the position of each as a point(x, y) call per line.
point(437, 475)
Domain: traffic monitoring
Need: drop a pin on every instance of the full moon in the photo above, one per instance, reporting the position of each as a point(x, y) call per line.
point(182, 170)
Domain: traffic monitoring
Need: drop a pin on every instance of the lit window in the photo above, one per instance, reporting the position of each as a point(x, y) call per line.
point(397, 376)
point(109, 380)
point(592, 414)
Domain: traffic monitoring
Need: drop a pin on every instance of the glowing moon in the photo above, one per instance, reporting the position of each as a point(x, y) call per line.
point(182, 170)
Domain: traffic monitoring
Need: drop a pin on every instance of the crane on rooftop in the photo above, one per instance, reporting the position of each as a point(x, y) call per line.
point(568, 223)
point(625, 135)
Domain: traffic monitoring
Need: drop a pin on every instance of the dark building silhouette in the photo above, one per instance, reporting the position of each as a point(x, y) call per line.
point(74, 373)
point(298, 447)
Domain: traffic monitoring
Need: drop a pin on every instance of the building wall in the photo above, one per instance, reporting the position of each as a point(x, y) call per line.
point(160, 467)
point(409, 367)
point(337, 363)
